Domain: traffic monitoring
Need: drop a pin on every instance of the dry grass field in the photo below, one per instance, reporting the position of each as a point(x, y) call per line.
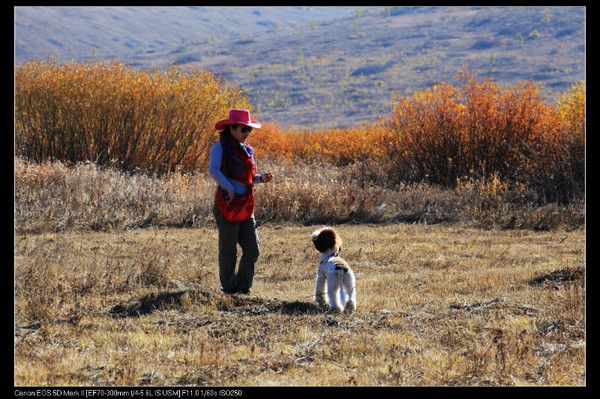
point(462, 215)
point(437, 306)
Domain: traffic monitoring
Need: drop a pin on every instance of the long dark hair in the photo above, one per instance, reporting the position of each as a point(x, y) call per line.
point(225, 134)
point(226, 137)
point(228, 141)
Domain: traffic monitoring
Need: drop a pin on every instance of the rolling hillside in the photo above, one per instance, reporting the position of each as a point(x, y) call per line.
point(80, 32)
point(321, 66)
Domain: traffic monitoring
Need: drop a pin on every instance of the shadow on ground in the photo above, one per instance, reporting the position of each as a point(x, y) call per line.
point(557, 277)
point(181, 299)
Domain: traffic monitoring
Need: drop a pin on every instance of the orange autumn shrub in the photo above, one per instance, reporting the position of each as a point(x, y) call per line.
point(335, 146)
point(571, 110)
point(341, 146)
point(113, 114)
point(476, 129)
point(270, 142)
point(560, 174)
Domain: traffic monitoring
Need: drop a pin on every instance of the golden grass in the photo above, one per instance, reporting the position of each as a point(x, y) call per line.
point(52, 197)
point(437, 305)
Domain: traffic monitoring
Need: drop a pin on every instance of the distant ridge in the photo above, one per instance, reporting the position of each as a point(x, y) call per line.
point(318, 67)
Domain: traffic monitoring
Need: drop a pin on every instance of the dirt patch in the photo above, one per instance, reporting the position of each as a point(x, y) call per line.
point(558, 277)
point(497, 303)
point(478, 305)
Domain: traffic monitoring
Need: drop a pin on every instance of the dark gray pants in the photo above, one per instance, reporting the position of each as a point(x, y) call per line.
point(231, 234)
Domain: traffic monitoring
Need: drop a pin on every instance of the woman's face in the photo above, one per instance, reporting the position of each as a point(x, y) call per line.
point(240, 132)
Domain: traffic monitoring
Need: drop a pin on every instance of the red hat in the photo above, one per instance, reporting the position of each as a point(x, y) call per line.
point(238, 117)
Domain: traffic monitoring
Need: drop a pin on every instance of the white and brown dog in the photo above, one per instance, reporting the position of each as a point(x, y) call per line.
point(335, 279)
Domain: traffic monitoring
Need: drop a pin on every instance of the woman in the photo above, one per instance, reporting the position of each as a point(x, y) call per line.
point(232, 165)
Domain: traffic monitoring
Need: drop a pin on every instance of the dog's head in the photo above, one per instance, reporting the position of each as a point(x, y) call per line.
point(326, 238)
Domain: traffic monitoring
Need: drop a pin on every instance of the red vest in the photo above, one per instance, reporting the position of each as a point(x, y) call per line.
point(237, 165)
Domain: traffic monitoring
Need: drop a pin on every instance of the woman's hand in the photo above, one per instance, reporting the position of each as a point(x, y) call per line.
point(229, 197)
point(267, 177)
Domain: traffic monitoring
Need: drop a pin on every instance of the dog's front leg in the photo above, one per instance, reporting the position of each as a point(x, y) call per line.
point(334, 284)
point(350, 289)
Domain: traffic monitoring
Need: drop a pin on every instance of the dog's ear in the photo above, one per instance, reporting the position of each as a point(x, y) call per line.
point(315, 234)
point(337, 246)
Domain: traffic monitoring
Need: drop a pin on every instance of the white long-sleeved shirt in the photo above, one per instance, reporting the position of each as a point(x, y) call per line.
point(214, 168)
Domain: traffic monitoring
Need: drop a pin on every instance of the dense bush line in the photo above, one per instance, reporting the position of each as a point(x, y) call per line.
point(469, 130)
point(477, 130)
point(160, 122)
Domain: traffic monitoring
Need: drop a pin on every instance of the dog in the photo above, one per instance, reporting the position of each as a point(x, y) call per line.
point(336, 283)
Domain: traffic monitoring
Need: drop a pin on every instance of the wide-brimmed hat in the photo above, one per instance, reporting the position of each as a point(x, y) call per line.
point(238, 117)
